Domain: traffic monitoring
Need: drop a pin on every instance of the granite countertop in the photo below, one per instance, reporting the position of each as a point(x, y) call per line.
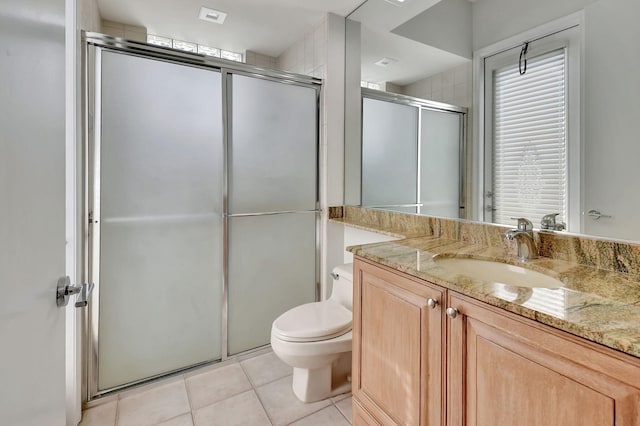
point(596, 304)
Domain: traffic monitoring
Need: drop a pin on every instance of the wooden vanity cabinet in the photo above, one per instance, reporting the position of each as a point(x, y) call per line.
point(504, 369)
point(398, 374)
point(475, 366)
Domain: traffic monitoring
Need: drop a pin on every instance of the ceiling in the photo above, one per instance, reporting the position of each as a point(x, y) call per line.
point(264, 26)
point(414, 60)
point(269, 27)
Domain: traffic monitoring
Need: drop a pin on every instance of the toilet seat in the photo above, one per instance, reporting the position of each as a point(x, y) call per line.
point(313, 322)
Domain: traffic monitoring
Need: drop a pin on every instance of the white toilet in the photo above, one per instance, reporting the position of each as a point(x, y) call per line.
point(315, 339)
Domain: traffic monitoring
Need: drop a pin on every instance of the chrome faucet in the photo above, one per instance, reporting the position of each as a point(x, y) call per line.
point(523, 235)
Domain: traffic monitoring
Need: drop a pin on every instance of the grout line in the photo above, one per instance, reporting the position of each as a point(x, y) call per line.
point(117, 420)
point(249, 379)
point(186, 388)
point(225, 398)
point(310, 414)
point(265, 383)
point(262, 405)
point(341, 413)
point(274, 380)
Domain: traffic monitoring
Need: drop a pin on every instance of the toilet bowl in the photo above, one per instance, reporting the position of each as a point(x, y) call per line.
point(315, 339)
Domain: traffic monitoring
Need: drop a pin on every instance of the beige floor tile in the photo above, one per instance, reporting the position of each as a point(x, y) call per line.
point(216, 385)
point(346, 408)
point(154, 405)
point(329, 416)
point(240, 410)
point(183, 420)
point(100, 415)
point(265, 368)
point(282, 405)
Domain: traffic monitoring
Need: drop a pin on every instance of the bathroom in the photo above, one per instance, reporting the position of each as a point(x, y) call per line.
point(48, 378)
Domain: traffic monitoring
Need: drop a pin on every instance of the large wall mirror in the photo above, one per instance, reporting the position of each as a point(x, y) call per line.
point(551, 100)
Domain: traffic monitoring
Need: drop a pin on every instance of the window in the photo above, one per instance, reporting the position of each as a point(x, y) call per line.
point(195, 48)
point(531, 122)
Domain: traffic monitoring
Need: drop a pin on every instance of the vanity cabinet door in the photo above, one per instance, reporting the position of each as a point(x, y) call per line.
point(397, 351)
point(507, 370)
point(361, 417)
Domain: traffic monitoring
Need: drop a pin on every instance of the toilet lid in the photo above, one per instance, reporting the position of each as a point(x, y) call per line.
point(313, 322)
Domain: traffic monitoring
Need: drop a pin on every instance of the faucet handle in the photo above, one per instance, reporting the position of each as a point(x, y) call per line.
point(548, 222)
point(524, 224)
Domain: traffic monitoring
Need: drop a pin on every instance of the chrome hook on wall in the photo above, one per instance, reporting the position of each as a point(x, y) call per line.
point(523, 58)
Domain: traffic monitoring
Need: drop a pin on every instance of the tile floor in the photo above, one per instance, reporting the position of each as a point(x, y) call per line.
point(251, 391)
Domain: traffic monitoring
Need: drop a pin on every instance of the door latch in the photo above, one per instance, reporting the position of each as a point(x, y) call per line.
point(66, 290)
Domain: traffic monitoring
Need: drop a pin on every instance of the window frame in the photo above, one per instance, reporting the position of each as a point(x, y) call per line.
point(574, 45)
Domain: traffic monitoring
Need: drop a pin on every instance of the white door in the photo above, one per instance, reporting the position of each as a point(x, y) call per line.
point(32, 215)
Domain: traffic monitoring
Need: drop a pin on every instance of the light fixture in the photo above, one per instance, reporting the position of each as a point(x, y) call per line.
point(212, 15)
point(385, 62)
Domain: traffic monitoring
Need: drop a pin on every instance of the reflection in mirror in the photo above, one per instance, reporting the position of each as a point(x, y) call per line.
point(565, 128)
point(412, 153)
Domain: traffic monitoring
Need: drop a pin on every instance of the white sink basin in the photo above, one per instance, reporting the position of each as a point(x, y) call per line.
point(497, 272)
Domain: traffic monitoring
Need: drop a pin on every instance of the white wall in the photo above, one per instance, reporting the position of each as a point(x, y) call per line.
point(321, 54)
point(495, 20)
point(89, 18)
point(355, 236)
point(611, 112)
point(352, 126)
point(445, 25)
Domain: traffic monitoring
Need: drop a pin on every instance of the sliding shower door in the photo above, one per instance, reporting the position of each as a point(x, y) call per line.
point(272, 219)
point(390, 155)
point(441, 163)
point(424, 141)
point(202, 207)
point(158, 185)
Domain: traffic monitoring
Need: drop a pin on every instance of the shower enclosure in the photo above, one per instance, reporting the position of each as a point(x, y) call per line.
point(202, 207)
point(425, 143)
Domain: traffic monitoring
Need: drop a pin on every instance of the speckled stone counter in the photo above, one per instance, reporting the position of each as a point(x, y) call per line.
point(594, 303)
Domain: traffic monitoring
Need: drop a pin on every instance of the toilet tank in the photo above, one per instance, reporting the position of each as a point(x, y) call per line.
point(342, 291)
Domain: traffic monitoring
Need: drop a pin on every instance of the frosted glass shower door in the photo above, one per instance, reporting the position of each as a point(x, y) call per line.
point(389, 154)
point(272, 164)
point(440, 168)
point(159, 205)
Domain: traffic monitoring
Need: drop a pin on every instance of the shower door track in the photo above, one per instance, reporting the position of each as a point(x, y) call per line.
point(94, 43)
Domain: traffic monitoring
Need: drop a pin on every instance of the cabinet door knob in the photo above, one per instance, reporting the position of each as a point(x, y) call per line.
point(452, 312)
point(432, 303)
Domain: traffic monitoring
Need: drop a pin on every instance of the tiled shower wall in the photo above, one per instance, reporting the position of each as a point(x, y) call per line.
point(452, 87)
point(308, 55)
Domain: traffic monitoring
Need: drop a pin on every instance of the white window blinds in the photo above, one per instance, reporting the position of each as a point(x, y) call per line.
point(530, 172)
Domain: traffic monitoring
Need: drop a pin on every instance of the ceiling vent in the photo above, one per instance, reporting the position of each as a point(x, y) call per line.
point(385, 62)
point(212, 15)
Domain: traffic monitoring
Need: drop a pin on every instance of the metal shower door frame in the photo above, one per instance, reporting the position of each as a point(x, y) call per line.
point(93, 46)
